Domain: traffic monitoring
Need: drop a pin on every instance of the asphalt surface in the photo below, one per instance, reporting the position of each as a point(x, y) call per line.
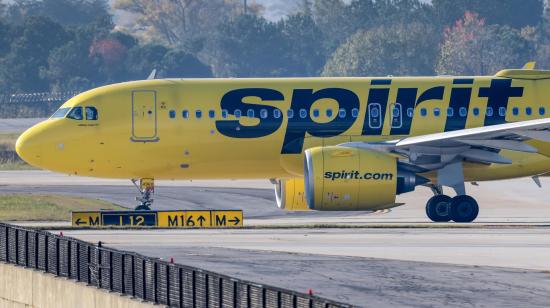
point(17, 125)
point(337, 263)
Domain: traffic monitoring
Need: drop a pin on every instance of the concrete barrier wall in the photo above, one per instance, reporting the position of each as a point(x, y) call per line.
point(25, 288)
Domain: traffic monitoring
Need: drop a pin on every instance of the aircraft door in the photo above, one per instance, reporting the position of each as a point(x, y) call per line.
point(144, 116)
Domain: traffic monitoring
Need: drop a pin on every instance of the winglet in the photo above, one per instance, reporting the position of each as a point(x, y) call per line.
point(530, 65)
point(153, 75)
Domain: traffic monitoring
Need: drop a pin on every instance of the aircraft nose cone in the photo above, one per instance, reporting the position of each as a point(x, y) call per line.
point(29, 147)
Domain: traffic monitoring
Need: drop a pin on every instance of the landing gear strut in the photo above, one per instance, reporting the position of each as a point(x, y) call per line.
point(146, 188)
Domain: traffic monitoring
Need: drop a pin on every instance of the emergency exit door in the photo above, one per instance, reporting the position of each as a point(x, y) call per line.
point(144, 116)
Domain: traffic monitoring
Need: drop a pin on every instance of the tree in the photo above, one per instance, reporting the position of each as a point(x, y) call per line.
point(175, 21)
point(179, 63)
point(471, 47)
point(249, 46)
point(402, 49)
point(29, 51)
point(66, 12)
point(514, 13)
point(304, 51)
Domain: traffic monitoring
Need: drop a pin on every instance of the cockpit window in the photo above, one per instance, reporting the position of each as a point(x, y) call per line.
point(60, 113)
point(91, 113)
point(75, 114)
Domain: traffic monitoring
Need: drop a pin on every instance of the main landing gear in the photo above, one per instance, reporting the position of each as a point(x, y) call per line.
point(442, 208)
point(146, 188)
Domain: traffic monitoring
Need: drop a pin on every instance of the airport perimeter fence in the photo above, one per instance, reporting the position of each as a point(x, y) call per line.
point(32, 105)
point(142, 277)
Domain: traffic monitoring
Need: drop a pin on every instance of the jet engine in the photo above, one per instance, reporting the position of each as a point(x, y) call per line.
point(290, 195)
point(348, 179)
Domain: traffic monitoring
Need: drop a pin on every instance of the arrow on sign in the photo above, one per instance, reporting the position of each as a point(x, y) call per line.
point(79, 222)
point(235, 221)
point(201, 220)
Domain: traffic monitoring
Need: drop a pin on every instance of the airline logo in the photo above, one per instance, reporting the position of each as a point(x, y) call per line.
point(498, 94)
point(356, 175)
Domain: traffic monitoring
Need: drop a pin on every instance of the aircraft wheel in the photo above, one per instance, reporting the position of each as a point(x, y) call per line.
point(438, 208)
point(143, 207)
point(464, 209)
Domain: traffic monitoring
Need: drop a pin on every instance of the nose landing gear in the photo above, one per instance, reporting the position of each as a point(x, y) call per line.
point(146, 188)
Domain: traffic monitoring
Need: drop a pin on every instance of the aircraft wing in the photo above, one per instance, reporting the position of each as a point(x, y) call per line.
point(478, 145)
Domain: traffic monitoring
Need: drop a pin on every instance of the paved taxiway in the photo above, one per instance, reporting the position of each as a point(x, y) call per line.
point(457, 267)
point(338, 263)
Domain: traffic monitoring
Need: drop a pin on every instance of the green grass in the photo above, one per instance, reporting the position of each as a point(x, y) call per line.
point(7, 141)
point(29, 207)
point(8, 158)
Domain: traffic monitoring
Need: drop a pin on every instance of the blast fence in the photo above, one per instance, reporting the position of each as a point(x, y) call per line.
point(142, 277)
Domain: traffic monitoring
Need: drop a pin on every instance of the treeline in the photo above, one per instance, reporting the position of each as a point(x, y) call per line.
point(59, 45)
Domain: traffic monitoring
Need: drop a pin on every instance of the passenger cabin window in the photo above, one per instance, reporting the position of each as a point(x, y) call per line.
point(450, 112)
point(342, 113)
point(185, 114)
point(329, 113)
point(355, 112)
point(476, 111)
point(315, 113)
point(91, 113)
point(462, 111)
point(237, 113)
point(502, 111)
point(437, 112)
point(303, 113)
point(276, 113)
point(489, 111)
point(290, 113)
point(423, 112)
point(76, 114)
point(528, 111)
point(410, 112)
point(515, 111)
point(250, 113)
point(211, 114)
point(172, 114)
point(263, 113)
point(224, 113)
point(60, 113)
point(198, 114)
point(542, 111)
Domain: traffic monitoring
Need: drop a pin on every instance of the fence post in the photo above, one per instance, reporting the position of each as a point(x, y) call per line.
point(180, 291)
point(123, 274)
point(36, 248)
point(220, 292)
point(7, 239)
point(168, 285)
point(143, 279)
point(155, 282)
point(16, 246)
point(46, 253)
point(193, 288)
point(133, 276)
point(57, 256)
point(206, 289)
point(111, 271)
point(78, 261)
point(26, 248)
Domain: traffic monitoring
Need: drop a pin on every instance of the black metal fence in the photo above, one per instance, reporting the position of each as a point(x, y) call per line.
point(150, 279)
point(30, 105)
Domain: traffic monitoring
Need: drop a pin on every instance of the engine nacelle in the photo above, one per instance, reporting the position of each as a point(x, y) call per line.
point(349, 179)
point(290, 195)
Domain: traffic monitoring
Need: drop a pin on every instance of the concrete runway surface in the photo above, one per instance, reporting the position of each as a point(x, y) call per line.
point(390, 267)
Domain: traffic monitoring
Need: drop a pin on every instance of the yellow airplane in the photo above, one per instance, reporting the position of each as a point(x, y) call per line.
point(329, 144)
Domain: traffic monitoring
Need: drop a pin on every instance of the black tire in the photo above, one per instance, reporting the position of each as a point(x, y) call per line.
point(464, 209)
point(438, 208)
point(142, 207)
